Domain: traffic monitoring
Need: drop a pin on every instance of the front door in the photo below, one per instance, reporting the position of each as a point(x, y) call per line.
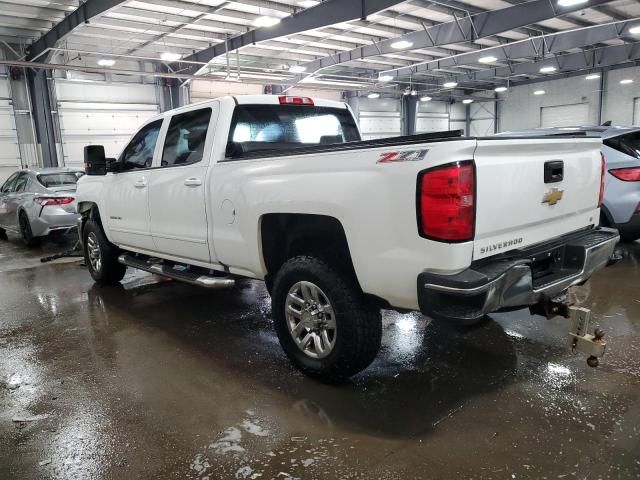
point(177, 204)
point(127, 192)
point(6, 192)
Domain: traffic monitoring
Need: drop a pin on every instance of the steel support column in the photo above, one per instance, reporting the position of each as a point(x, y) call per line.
point(45, 129)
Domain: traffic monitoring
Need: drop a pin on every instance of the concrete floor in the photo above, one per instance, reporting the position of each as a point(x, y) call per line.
point(160, 380)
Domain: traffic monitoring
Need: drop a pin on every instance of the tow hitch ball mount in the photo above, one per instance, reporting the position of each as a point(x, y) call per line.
point(579, 340)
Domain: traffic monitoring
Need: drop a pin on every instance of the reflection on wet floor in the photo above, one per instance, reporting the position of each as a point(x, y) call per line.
point(154, 379)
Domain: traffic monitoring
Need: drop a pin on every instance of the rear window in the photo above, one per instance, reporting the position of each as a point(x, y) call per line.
point(628, 144)
point(281, 127)
point(59, 179)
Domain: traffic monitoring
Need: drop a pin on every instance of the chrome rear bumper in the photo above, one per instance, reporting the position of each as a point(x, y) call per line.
point(518, 279)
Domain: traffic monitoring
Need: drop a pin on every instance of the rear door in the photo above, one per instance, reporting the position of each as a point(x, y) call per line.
point(519, 205)
point(177, 190)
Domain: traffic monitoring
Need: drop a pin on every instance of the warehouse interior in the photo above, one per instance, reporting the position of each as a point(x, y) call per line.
point(157, 379)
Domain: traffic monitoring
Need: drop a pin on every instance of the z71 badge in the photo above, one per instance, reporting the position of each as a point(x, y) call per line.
point(404, 156)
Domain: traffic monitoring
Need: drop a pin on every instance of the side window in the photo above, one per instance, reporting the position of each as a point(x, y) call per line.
point(184, 143)
point(139, 152)
point(21, 183)
point(7, 186)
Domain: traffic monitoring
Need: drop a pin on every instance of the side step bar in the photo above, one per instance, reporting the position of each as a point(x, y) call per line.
point(186, 276)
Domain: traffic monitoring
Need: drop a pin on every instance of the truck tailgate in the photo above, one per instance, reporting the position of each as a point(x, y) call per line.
point(517, 207)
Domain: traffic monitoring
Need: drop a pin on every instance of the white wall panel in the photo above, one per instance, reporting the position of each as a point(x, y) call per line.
point(636, 111)
point(9, 149)
point(432, 122)
point(379, 124)
point(619, 98)
point(204, 90)
point(565, 115)
point(100, 113)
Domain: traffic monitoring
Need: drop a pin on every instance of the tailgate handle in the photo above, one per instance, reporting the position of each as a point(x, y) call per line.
point(553, 171)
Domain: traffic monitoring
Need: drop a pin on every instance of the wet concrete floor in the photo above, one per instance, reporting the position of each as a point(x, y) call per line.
point(161, 380)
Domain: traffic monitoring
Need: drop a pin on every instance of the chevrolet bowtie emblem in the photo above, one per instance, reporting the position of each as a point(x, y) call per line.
point(553, 196)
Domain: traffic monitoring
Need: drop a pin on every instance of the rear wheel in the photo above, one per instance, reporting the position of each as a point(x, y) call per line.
point(27, 233)
point(100, 255)
point(324, 322)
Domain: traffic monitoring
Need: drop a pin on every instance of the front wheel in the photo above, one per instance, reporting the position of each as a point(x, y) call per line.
point(324, 322)
point(100, 255)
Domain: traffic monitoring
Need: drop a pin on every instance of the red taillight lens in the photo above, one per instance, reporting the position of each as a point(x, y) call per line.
point(603, 178)
point(446, 203)
point(45, 201)
point(631, 174)
point(285, 100)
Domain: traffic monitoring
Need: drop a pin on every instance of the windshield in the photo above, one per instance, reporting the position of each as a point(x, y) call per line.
point(59, 179)
point(280, 127)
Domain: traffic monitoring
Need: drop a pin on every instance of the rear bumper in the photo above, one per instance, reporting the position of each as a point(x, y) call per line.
point(517, 279)
point(631, 229)
point(53, 219)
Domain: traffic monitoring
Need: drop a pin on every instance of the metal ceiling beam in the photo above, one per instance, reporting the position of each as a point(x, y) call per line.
point(534, 47)
point(324, 14)
point(585, 60)
point(464, 29)
point(84, 13)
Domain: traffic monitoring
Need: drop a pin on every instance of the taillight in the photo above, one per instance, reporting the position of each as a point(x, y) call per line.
point(631, 174)
point(45, 201)
point(285, 100)
point(446, 202)
point(603, 178)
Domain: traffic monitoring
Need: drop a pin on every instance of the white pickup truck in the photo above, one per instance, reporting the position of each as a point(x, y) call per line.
point(283, 189)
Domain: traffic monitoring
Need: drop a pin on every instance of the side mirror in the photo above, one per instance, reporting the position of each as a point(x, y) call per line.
point(95, 162)
point(113, 165)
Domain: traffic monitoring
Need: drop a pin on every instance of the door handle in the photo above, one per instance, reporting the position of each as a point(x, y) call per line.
point(193, 182)
point(140, 183)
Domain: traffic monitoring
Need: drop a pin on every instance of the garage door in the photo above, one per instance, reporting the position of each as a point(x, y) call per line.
point(379, 124)
point(100, 113)
point(573, 115)
point(432, 122)
point(9, 150)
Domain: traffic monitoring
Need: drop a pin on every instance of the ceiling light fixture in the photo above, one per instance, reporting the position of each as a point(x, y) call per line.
point(385, 78)
point(548, 69)
point(467, 101)
point(414, 93)
point(401, 44)
point(266, 21)
point(450, 84)
point(170, 56)
point(487, 59)
point(635, 30)
point(500, 89)
point(539, 92)
point(307, 3)
point(626, 81)
point(593, 76)
point(297, 68)
point(373, 95)
point(106, 62)
point(570, 3)
point(425, 99)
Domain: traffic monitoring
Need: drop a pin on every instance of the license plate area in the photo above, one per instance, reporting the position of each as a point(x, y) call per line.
point(552, 265)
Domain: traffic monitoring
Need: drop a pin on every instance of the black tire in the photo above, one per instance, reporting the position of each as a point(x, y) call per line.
point(3, 234)
point(27, 235)
point(359, 324)
point(108, 271)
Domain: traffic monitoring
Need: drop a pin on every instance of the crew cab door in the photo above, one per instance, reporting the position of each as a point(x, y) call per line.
point(127, 194)
point(177, 190)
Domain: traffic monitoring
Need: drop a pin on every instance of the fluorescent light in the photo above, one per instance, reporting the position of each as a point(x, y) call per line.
point(635, 30)
point(414, 93)
point(593, 76)
point(307, 3)
point(170, 56)
point(106, 62)
point(385, 78)
point(425, 99)
point(539, 92)
point(548, 69)
point(467, 101)
point(487, 59)
point(297, 68)
point(401, 44)
point(570, 3)
point(450, 84)
point(626, 81)
point(373, 95)
point(500, 89)
point(266, 21)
